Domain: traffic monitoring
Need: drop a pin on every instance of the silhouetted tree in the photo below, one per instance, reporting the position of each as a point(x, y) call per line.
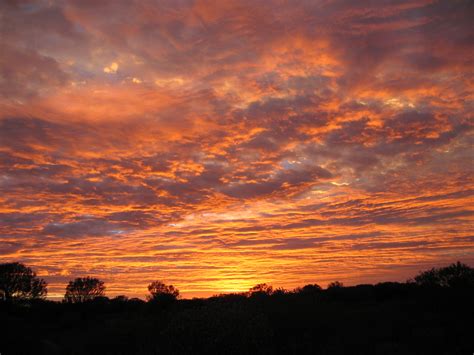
point(261, 289)
point(135, 300)
point(309, 289)
point(160, 292)
point(19, 281)
point(84, 289)
point(335, 284)
point(120, 298)
point(455, 275)
point(280, 291)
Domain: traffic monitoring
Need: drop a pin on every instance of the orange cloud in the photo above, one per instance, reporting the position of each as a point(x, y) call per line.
point(221, 146)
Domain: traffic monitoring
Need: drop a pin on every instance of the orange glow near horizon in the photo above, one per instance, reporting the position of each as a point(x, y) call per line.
point(216, 147)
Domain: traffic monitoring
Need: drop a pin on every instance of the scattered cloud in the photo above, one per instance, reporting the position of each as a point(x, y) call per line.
point(112, 69)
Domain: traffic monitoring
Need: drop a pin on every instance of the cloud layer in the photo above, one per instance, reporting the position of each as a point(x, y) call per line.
point(216, 146)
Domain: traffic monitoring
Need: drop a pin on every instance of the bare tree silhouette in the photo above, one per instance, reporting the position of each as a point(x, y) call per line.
point(18, 281)
point(84, 289)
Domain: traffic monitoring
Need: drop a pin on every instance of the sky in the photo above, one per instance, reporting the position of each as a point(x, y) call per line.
point(217, 145)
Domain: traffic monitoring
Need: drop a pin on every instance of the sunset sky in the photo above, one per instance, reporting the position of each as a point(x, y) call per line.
point(215, 145)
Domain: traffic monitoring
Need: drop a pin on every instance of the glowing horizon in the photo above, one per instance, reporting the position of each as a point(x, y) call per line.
point(218, 146)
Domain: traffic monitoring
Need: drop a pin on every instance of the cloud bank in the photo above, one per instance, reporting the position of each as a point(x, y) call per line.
point(217, 146)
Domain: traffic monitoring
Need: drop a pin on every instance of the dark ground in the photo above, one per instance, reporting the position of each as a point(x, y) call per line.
point(387, 318)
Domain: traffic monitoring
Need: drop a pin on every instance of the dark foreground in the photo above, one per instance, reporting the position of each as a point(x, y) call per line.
point(382, 319)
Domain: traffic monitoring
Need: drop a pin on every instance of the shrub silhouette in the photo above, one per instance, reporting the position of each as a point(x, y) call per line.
point(120, 298)
point(309, 289)
point(280, 291)
point(335, 285)
point(84, 289)
point(261, 289)
point(162, 293)
point(18, 281)
point(456, 275)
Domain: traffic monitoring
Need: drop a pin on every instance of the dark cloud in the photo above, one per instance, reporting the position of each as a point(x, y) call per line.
point(25, 73)
point(84, 228)
point(289, 176)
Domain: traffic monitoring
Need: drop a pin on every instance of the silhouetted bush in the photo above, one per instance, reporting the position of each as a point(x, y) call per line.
point(456, 275)
point(162, 293)
point(260, 290)
point(335, 284)
point(84, 289)
point(309, 289)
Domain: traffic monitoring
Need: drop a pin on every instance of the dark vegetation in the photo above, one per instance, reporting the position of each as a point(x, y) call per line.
point(20, 282)
point(84, 289)
point(431, 314)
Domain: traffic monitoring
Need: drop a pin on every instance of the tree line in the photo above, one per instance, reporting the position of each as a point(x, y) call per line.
point(19, 282)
